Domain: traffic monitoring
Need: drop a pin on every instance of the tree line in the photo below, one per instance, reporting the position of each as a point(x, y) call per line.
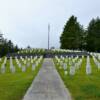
point(75, 37)
point(7, 46)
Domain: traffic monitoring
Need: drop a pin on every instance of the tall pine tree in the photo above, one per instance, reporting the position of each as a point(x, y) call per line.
point(71, 38)
point(93, 37)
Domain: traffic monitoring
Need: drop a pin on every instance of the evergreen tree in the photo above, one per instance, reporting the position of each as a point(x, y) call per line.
point(7, 46)
point(93, 37)
point(71, 38)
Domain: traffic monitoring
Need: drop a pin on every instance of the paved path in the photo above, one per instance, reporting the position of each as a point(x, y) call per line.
point(47, 85)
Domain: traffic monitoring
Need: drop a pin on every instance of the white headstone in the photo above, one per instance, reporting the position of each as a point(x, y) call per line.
point(28, 64)
point(23, 68)
point(65, 66)
point(88, 66)
point(3, 68)
point(33, 67)
point(72, 69)
point(12, 69)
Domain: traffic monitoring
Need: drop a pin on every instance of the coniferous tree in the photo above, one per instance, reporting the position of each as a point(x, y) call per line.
point(93, 37)
point(7, 46)
point(71, 38)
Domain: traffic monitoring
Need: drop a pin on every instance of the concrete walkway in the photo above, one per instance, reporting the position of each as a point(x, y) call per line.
point(47, 84)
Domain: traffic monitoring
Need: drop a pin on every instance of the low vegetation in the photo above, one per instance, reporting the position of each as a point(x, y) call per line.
point(81, 85)
point(13, 86)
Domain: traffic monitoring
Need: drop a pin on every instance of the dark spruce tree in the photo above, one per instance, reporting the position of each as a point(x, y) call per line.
point(7, 46)
point(93, 37)
point(72, 36)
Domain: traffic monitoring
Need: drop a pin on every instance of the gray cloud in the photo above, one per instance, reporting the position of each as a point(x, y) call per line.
point(25, 21)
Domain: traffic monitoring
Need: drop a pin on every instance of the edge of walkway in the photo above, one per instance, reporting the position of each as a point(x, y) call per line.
point(65, 88)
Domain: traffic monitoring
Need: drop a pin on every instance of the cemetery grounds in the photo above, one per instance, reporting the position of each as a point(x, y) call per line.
point(16, 75)
point(80, 74)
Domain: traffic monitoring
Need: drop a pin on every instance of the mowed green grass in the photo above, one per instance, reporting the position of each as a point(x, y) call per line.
point(82, 86)
point(13, 86)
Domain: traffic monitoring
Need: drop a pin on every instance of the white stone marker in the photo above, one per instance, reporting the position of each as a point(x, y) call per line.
point(65, 66)
point(33, 67)
point(28, 64)
point(23, 68)
point(5, 60)
point(19, 65)
point(3, 69)
point(72, 70)
point(12, 68)
point(96, 62)
point(88, 66)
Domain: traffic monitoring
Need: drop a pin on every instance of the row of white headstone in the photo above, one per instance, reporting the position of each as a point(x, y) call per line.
point(30, 51)
point(12, 67)
point(74, 63)
point(96, 58)
point(3, 66)
point(22, 63)
point(88, 66)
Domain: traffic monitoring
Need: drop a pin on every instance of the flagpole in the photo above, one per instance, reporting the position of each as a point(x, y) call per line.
point(48, 36)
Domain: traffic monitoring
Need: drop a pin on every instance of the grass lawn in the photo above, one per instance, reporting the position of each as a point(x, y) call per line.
point(14, 86)
point(82, 86)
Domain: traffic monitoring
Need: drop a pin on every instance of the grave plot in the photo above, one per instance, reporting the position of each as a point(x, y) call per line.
point(32, 51)
point(13, 65)
point(80, 75)
point(16, 75)
point(69, 64)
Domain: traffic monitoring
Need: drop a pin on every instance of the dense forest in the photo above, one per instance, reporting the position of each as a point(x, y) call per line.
point(6, 46)
point(75, 37)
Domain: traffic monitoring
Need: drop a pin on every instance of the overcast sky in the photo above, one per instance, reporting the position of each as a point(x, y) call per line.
point(25, 22)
